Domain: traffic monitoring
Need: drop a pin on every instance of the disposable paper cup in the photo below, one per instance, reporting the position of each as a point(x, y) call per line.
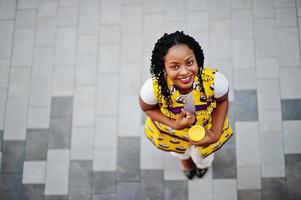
point(196, 133)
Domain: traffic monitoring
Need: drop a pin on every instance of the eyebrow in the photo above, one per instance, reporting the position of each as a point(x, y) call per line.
point(178, 62)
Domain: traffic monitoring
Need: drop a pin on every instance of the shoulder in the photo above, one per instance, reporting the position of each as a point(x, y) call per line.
point(221, 85)
point(147, 92)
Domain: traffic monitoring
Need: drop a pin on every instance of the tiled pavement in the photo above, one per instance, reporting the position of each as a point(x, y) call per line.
point(70, 72)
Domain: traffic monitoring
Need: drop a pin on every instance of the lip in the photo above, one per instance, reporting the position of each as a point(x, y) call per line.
point(185, 80)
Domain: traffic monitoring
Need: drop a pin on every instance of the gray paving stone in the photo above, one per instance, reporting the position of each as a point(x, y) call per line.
point(88, 17)
point(153, 25)
point(6, 35)
point(65, 46)
point(174, 11)
point(263, 9)
point(285, 4)
point(11, 185)
point(265, 37)
point(60, 133)
point(175, 190)
point(291, 136)
point(247, 144)
point(270, 120)
point(87, 45)
point(109, 58)
point(27, 4)
point(56, 197)
point(242, 23)
point(7, 9)
point(245, 105)
point(274, 188)
point(131, 16)
point(293, 178)
point(249, 194)
point(220, 44)
point(68, 3)
point(129, 85)
point(4, 72)
point(288, 38)
point(219, 10)
point(22, 47)
point(291, 109)
point(57, 172)
point(271, 158)
point(238, 4)
point(152, 184)
point(110, 12)
point(106, 129)
point(128, 191)
point(25, 19)
point(15, 119)
point(43, 61)
point(82, 143)
point(109, 34)
point(224, 189)
point(3, 96)
point(67, 17)
point(172, 168)
point(129, 113)
point(103, 196)
point(107, 105)
point(128, 159)
point(47, 8)
point(157, 6)
point(34, 172)
point(12, 156)
point(288, 79)
point(40, 91)
point(61, 106)
point(286, 17)
point(248, 177)
point(45, 32)
point(267, 68)
point(131, 48)
point(268, 94)
point(245, 79)
point(104, 182)
point(1, 142)
point(33, 192)
point(109, 155)
point(63, 81)
point(19, 83)
point(80, 180)
point(243, 53)
point(224, 164)
point(84, 106)
point(38, 117)
point(199, 187)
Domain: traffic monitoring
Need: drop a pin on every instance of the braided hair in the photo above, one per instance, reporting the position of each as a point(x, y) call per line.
point(157, 68)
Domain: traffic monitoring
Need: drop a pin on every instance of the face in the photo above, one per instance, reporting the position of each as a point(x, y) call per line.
point(181, 67)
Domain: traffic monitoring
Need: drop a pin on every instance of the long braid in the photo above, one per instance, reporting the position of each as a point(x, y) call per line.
point(157, 68)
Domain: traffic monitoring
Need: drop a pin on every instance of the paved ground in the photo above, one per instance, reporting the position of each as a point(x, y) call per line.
point(70, 72)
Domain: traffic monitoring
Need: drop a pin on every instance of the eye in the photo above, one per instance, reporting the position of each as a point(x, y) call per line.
point(174, 67)
point(190, 62)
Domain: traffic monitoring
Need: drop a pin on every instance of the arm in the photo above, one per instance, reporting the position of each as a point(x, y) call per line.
point(184, 120)
point(218, 118)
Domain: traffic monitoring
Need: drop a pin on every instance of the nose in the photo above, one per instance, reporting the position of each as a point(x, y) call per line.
point(184, 70)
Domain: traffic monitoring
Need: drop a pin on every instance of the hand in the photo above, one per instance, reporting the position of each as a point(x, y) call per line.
point(209, 138)
point(185, 120)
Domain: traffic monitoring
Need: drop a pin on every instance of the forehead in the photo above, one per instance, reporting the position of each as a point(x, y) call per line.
point(178, 52)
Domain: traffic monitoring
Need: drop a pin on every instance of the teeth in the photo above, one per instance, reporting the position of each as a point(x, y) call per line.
point(185, 79)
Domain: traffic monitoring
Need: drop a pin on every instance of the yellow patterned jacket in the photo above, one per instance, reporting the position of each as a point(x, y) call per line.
point(169, 139)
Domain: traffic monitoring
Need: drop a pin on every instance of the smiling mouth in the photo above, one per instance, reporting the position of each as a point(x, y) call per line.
point(186, 79)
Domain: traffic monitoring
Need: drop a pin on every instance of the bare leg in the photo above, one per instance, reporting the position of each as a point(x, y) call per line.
point(188, 164)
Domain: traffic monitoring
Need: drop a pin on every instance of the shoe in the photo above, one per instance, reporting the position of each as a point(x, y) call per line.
point(201, 172)
point(189, 174)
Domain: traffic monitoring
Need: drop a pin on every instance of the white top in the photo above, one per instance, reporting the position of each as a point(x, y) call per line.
point(221, 86)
